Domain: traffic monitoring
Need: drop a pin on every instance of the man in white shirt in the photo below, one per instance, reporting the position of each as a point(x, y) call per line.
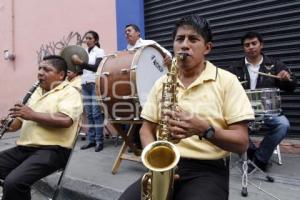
point(134, 40)
point(253, 70)
point(247, 70)
point(133, 36)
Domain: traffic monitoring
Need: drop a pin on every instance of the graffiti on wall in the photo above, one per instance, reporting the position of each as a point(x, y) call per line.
point(54, 48)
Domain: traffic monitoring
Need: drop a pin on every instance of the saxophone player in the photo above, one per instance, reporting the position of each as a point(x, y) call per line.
point(48, 126)
point(211, 122)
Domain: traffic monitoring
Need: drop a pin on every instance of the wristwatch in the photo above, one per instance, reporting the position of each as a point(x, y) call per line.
point(209, 133)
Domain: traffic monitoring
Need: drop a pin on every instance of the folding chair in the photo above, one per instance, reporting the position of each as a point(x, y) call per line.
point(63, 170)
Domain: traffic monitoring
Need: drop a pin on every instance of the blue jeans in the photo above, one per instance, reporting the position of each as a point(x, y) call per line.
point(278, 127)
point(93, 113)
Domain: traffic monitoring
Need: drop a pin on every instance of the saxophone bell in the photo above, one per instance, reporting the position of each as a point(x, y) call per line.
point(161, 158)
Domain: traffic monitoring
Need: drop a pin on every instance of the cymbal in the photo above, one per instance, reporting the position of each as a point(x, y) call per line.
point(71, 50)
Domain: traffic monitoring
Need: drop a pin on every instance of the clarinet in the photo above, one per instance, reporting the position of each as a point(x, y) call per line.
point(8, 120)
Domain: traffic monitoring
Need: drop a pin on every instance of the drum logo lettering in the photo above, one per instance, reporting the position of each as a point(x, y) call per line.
point(156, 64)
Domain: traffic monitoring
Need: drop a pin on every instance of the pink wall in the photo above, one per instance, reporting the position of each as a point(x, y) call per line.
point(44, 26)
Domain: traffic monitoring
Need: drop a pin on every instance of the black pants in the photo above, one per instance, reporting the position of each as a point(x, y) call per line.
point(20, 167)
point(199, 180)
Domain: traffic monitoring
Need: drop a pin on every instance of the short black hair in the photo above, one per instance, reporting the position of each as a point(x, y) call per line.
point(58, 62)
point(199, 23)
point(134, 26)
point(251, 35)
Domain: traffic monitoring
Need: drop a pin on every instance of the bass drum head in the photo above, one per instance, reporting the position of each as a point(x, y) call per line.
point(150, 67)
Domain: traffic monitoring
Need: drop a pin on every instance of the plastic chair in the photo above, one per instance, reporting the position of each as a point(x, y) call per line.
point(277, 151)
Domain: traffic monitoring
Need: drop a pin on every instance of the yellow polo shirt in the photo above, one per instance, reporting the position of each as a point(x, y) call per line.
point(217, 96)
point(64, 99)
point(76, 83)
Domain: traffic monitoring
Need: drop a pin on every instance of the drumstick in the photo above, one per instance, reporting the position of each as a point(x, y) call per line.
point(265, 74)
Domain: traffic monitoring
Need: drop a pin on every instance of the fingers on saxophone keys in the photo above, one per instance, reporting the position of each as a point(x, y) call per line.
point(174, 122)
point(168, 113)
point(178, 135)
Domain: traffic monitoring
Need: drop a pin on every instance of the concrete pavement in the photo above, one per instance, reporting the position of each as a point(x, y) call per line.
point(89, 176)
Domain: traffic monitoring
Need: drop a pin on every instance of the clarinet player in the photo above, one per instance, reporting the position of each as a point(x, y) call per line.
point(211, 121)
point(48, 125)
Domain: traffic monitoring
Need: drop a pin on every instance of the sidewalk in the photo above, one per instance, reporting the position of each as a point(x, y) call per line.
point(89, 176)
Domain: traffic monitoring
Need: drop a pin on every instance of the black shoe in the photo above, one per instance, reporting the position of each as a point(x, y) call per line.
point(250, 168)
point(260, 164)
point(130, 150)
point(99, 147)
point(88, 145)
point(251, 153)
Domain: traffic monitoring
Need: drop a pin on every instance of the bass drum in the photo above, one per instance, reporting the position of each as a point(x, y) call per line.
point(125, 79)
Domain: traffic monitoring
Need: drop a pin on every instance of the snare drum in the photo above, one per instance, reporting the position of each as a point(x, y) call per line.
point(265, 101)
point(124, 80)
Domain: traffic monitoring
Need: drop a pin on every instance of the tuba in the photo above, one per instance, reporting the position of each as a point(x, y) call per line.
point(161, 157)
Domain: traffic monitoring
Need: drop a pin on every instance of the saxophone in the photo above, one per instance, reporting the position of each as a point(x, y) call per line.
point(162, 156)
point(8, 120)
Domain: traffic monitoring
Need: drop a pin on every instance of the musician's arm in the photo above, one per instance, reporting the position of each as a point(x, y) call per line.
point(147, 132)
point(288, 81)
point(233, 139)
point(56, 120)
point(91, 67)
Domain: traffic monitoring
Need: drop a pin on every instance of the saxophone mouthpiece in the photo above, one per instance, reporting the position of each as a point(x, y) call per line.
point(182, 56)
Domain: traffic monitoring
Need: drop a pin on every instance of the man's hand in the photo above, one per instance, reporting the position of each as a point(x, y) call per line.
point(13, 125)
point(76, 60)
point(167, 60)
point(183, 124)
point(176, 177)
point(284, 76)
point(22, 111)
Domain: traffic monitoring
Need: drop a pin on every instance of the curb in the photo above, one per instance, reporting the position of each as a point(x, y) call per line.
point(72, 188)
